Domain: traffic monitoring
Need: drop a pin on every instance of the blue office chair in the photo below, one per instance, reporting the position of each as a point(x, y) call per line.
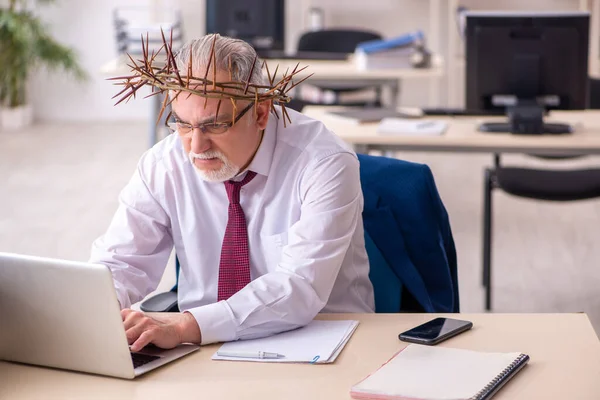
point(407, 236)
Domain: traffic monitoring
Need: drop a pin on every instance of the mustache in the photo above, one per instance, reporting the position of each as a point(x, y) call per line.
point(206, 155)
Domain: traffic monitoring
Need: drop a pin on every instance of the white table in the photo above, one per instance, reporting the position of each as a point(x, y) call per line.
point(462, 135)
point(564, 351)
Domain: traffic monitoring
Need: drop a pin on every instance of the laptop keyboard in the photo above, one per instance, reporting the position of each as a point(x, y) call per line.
point(140, 359)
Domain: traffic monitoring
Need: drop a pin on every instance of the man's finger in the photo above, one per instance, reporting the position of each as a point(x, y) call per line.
point(137, 328)
point(145, 338)
point(132, 319)
point(125, 312)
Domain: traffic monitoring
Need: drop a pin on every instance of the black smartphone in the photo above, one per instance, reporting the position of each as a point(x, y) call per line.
point(435, 331)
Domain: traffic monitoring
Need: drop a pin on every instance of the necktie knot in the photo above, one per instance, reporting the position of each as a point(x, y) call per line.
point(233, 188)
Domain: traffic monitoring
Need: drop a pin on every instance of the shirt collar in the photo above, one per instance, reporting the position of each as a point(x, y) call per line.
point(261, 163)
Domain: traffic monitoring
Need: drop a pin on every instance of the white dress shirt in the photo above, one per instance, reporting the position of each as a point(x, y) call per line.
point(305, 233)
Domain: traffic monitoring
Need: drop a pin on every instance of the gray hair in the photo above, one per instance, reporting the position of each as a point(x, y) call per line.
point(240, 52)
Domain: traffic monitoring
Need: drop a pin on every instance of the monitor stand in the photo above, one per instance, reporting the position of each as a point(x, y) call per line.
point(526, 118)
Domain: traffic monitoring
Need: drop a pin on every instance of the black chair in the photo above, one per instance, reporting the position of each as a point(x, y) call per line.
point(297, 104)
point(335, 40)
point(340, 41)
point(539, 184)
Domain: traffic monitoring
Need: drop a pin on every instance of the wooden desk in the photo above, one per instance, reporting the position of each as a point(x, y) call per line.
point(564, 350)
point(328, 69)
point(462, 135)
point(333, 72)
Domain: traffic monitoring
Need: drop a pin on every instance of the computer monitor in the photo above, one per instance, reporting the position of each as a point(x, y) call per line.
point(258, 22)
point(526, 64)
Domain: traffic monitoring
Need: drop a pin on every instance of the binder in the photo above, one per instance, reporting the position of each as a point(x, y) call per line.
point(411, 39)
point(421, 372)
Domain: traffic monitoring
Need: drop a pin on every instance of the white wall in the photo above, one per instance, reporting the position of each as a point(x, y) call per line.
point(86, 25)
point(389, 18)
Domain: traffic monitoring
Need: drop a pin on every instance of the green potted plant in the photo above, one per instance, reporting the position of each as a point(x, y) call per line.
point(26, 45)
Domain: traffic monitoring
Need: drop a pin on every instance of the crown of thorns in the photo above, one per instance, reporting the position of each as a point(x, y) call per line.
point(165, 77)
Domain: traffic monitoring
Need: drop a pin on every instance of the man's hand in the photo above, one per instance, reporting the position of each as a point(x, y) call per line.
point(165, 330)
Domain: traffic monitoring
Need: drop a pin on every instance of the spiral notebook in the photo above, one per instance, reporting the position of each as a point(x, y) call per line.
point(438, 373)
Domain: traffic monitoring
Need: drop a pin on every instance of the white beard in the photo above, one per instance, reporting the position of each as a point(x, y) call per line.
point(225, 173)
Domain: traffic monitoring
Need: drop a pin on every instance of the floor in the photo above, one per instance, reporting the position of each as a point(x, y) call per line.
point(60, 185)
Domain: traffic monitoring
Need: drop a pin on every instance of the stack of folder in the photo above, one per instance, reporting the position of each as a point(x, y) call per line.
point(397, 52)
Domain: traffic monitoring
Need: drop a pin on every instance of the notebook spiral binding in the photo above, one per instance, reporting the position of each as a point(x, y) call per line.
point(491, 388)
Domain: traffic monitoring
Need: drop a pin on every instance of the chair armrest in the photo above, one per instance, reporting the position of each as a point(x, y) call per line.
point(162, 302)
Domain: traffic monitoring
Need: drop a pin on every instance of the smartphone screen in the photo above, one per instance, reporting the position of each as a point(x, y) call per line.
point(435, 331)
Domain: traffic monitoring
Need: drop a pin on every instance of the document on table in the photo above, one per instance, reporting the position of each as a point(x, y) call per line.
point(318, 342)
point(411, 127)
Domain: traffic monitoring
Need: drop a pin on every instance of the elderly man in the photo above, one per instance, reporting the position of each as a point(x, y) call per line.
point(265, 219)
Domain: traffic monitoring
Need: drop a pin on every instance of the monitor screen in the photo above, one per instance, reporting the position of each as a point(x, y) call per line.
point(258, 22)
point(513, 56)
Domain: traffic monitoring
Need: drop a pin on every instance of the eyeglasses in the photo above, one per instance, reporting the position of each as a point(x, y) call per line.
point(210, 128)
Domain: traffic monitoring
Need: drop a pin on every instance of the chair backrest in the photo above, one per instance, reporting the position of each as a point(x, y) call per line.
point(594, 94)
point(408, 238)
point(335, 40)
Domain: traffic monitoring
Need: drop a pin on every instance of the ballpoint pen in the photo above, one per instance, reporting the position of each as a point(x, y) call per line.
point(250, 354)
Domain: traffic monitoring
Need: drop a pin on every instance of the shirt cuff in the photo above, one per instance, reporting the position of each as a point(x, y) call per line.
point(122, 295)
point(216, 322)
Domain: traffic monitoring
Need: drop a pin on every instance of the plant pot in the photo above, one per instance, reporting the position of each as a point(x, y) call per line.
point(16, 118)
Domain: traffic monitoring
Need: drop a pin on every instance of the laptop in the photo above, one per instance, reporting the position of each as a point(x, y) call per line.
point(65, 314)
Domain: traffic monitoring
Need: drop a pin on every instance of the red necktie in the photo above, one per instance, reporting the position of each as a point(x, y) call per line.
point(234, 267)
